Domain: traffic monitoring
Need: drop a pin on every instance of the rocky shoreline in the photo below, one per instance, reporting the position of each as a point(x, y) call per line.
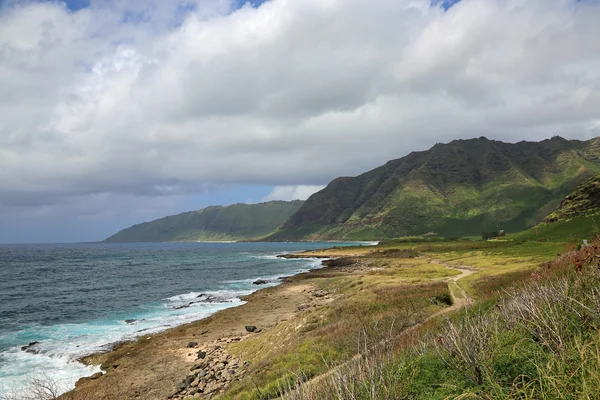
point(214, 371)
point(170, 364)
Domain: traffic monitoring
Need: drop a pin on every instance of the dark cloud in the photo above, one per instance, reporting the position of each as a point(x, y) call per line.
point(191, 95)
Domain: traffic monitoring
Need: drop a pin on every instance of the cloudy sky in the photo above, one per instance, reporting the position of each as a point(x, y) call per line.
point(114, 112)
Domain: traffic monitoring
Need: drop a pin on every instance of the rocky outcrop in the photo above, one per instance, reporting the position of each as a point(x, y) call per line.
point(31, 348)
point(214, 371)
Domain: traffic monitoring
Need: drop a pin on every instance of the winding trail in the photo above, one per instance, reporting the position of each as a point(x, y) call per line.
point(458, 301)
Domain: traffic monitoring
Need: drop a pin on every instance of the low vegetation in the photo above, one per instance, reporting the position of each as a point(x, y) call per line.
point(367, 309)
point(397, 328)
point(537, 340)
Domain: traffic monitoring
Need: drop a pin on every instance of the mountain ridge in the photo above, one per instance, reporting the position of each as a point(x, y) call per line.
point(459, 188)
point(214, 223)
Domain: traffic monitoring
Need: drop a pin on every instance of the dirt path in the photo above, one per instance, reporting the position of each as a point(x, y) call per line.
point(462, 298)
point(458, 301)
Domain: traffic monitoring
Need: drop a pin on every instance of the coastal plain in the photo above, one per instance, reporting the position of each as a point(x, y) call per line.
point(313, 321)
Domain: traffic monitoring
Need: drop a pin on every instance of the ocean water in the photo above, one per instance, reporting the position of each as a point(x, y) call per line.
point(76, 299)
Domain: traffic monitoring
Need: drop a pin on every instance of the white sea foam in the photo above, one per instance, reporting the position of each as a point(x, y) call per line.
point(272, 280)
point(64, 371)
point(62, 345)
point(268, 257)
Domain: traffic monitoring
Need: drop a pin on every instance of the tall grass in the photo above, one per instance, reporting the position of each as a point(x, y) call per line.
point(539, 340)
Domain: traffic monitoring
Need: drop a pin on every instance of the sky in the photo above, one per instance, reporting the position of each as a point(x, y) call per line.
point(115, 112)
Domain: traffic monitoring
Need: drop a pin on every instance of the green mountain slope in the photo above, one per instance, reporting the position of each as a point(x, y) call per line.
point(460, 188)
point(584, 201)
point(577, 217)
point(235, 222)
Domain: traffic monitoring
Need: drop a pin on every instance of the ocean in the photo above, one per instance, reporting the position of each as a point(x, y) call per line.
point(76, 299)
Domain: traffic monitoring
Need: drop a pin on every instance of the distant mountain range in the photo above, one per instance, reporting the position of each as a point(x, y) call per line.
point(235, 222)
point(461, 188)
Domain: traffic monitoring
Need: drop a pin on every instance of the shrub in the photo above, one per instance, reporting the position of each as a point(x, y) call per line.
point(441, 299)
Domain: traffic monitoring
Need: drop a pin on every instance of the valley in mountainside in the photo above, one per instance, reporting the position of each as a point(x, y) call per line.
point(235, 222)
point(461, 188)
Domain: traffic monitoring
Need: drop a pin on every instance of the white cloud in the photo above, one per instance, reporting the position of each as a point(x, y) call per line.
point(288, 193)
point(291, 94)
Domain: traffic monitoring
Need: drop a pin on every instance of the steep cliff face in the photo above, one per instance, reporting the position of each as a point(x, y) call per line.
point(235, 222)
point(460, 188)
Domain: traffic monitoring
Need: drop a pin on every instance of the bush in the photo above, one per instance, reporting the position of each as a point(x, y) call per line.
point(489, 235)
point(443, 299)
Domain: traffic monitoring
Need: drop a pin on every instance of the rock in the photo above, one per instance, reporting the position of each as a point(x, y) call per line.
point(260, 282)
point(96, 375)
point(30, 348)
point(250, 328)
point(198, 366)
point(227, 375)
point(191, 345)
point(201, 355)
point(212, 387)
point(207, 298)
point(189, 379)
point(302, 307)
point(130, 321)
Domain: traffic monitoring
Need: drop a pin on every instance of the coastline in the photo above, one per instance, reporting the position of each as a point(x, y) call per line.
point(220, 355)
point(153, 365)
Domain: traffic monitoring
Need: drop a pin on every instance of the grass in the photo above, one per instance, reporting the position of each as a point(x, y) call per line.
point(370, 306)
point(399, 285)
point(574, 230)
point(539, 340)
point(456, 290)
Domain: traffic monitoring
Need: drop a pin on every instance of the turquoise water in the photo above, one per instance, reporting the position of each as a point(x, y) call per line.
point(77, 299)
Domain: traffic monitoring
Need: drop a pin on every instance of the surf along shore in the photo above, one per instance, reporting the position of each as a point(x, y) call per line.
point(299, 330)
